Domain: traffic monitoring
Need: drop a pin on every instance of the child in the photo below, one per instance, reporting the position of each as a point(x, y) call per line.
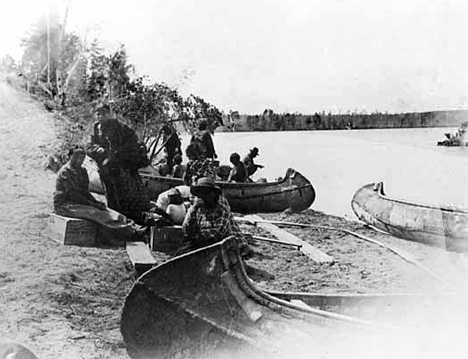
point(179, 169)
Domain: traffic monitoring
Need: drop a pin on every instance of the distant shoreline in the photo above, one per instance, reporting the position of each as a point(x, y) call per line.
point(224, 129)
point(270, 121)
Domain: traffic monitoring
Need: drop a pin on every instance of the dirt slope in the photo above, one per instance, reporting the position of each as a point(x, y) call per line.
point(65, 302)
point(61, 302)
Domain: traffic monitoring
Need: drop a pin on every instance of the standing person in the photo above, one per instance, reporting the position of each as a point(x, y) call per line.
point(209, 220)
point(238, 172)
point(171, 143)
point(202, 139)
point(73, 199)
point(118, 154)
point(197, 166)
point(249, 162)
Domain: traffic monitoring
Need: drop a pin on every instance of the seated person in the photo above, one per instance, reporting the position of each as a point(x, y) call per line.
point(209, 220)
point(176, 209)
point(73, 199)
point(238, 172)
point(179, 169)
point(222, 172)
point(162, 166)
point(163, 169)
point(249, 163)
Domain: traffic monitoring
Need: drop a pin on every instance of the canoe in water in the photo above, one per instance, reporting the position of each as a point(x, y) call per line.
point(439, 226)
point(294, 191)
point(203, 305)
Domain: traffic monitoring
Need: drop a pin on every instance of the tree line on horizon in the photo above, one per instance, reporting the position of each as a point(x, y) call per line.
point(72, 76)
point(271, 121)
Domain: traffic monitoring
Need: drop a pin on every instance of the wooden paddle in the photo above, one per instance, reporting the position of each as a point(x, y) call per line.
point(310, 251)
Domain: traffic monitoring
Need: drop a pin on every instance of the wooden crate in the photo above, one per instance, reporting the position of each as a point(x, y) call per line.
point(166, 239)
point(72, 231)
point(140, 256)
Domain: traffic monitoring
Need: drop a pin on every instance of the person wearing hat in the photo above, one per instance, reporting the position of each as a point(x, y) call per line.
point(249, 163)
point(238, 172)
point(73, 199)
point(209, 220)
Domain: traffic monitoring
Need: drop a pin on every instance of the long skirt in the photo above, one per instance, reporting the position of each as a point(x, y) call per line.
point(126, 193)
point(114, 228)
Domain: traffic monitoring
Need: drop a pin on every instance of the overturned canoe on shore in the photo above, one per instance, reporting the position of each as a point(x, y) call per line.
point(440, 226)
point(203, 305)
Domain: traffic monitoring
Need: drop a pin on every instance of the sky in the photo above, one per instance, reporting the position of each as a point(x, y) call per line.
point(296, 56)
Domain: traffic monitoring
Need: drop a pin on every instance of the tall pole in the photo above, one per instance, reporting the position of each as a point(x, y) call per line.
point(48, 47)
point(59, 71)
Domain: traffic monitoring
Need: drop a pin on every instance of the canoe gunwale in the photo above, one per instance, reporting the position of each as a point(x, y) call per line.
point(294, 191)
point(401, 227)
point(283, 190)
point(381, 194)
point(439, 227)
point(233, 261)
point(290, 173)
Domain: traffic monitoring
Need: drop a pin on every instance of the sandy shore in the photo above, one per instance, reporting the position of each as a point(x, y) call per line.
point(64, 301)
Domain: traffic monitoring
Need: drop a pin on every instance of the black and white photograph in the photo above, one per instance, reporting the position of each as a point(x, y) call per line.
point(216, 179)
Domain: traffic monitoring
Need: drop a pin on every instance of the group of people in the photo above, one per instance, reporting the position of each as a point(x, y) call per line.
point(202, 157)
point(199, 206)
point(242, 170)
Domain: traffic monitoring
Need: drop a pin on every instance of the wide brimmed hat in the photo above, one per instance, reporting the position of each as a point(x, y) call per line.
point(203, 185)
point(254, 150)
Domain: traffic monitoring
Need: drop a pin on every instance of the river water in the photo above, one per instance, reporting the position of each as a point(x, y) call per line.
point(338, 163)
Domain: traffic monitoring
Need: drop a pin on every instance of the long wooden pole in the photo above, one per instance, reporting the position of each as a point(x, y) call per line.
point(406, 256)
point(271, 240)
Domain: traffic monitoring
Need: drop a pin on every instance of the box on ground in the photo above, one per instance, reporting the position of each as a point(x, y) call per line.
point(166, 239)
point(72, 231)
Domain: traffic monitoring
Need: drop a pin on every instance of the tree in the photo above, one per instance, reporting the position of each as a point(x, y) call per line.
point(41, 53)
point(118, 74)
point(94, 80)
point(8, 64)
point(195, 109)
point(72, 65)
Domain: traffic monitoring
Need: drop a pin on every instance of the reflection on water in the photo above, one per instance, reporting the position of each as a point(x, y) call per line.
point(337, 163)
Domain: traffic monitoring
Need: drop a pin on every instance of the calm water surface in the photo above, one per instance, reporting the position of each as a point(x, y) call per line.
point(337, 163)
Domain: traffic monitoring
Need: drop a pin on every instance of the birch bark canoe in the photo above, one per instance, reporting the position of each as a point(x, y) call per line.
point(293, 192)
point(440, 226)
point(203, 305)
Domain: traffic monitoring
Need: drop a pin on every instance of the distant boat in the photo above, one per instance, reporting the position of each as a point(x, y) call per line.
point(440, 226)
point(457, 139)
